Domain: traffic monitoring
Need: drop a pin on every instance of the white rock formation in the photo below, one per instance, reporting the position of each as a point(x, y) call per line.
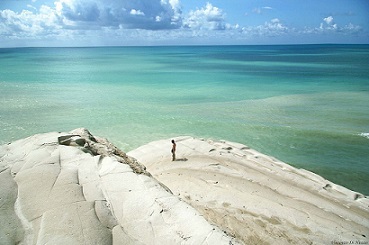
point(73, 188)
point(257, 198)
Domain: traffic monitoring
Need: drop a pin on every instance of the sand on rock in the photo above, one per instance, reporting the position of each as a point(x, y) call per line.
point(256, 198)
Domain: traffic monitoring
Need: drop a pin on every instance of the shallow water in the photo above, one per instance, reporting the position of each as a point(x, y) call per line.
point(306, 105)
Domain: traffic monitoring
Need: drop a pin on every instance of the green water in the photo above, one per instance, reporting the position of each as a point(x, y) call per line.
point(307, 105)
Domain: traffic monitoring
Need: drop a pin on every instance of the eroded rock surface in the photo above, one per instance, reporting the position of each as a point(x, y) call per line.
point(74, 188)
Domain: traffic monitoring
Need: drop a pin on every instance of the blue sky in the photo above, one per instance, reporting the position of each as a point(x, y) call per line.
point(186, 22)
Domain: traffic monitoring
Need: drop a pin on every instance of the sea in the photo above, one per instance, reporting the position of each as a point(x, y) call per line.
point(306, 105)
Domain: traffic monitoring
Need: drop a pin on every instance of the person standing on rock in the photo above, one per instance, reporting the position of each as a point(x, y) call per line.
point(173, 150)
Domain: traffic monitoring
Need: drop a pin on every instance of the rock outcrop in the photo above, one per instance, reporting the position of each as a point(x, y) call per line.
point(257, 198)
point(74, 188)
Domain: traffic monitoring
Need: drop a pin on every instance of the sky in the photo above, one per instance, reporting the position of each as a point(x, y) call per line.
point(43, 23)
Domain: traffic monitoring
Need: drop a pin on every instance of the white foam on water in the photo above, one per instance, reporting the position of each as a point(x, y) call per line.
point(366, 135)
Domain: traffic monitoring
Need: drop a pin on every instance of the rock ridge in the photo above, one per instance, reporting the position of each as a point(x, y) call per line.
point(100, 146)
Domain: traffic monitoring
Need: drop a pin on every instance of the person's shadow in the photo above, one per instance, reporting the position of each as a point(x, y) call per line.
point(181, 159)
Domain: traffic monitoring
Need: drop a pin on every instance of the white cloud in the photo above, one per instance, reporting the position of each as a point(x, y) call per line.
point(328, 20)
point(328, 26)
point(27, 24)
point(208, 18)
point(136, 12)
point(78, 11)
point(273, 27)
point(75, 17)
point(351, 28)
point(143, 14)
point(259, 10)
point(151, 21)
point(31, 7)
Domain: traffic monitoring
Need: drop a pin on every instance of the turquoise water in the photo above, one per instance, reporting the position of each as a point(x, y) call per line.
point(307, 105)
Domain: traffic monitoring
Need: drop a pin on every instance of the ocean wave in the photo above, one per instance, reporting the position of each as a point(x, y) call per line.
point(366, 135)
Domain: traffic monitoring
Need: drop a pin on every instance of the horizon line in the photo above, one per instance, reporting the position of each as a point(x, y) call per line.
point(184, 45)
